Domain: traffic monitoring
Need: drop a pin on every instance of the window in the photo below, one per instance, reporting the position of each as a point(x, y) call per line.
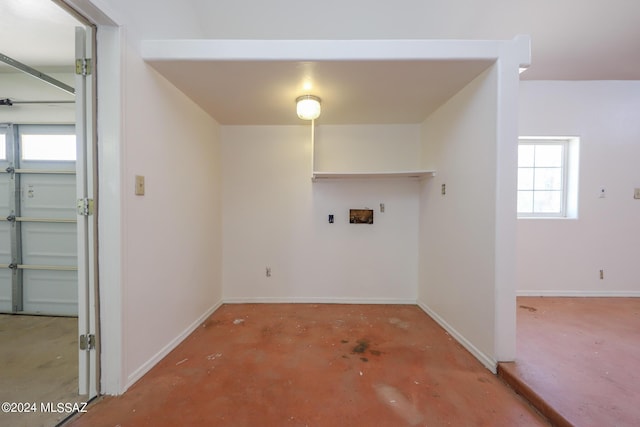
point(48, 147)
point(3, 146)
point(547, 177)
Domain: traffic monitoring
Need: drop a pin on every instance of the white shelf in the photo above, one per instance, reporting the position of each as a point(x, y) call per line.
point(415, 174)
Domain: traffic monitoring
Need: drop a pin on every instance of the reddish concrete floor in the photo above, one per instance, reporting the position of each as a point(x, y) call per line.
point(316, 365)
point(579, 359)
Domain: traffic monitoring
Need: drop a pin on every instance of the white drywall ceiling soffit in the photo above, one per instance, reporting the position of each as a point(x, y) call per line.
point(252, 82)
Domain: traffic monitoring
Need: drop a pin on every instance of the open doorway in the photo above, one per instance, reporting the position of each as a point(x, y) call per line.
point(47, 231)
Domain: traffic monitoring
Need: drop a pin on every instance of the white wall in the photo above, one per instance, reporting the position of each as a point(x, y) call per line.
point(458, 230)
point(364, 19)
point(149, 19)
point(160, 254)
point(172, 235)
point(371, 148)
point(275, 216)
point(564, 256)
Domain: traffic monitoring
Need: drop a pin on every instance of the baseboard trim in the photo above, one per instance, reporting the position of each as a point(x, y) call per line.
point(317, 300)
point(604, 294)
point(483, 358)
point(142, 370)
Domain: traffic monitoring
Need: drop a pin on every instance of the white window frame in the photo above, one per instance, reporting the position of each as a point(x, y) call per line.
point(570, 164)
point(46, 130)
point(3, 144)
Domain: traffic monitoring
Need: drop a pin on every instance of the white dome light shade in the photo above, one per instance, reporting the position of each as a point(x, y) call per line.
point(308, 107)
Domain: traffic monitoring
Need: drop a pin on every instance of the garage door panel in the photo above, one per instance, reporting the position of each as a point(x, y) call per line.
point(5, 242)
point(5, 273)
point(5, 290)
point(5, 194)
point(49, 244)
point(5, 227)
point(43, 240)
point(50, 292)
point(48, 196)
point(48, 165)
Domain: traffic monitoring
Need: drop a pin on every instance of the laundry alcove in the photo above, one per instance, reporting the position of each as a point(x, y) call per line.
point(457, 100)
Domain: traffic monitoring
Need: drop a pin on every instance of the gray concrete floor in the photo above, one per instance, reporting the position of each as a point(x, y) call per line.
point(38, 364)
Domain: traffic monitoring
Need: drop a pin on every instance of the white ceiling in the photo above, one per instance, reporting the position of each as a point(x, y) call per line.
point(571, 40)
point(37, 33)
point(352, 92)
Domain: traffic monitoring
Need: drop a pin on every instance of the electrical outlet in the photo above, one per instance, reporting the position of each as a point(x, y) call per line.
point(443, 189)
point(601, 274)
point(602, 193)
point(382, 207)
point(268, 272)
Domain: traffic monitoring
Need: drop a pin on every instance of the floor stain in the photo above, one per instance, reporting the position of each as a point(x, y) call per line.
point(531, 309)
point(362, 346)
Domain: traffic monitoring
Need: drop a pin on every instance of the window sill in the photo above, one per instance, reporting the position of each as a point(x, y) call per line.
point(547, 217)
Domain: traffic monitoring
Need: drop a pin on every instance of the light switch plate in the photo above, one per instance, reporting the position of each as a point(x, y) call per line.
point(139, 185)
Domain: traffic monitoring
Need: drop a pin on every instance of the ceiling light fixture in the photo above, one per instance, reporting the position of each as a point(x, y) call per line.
point(308, 107)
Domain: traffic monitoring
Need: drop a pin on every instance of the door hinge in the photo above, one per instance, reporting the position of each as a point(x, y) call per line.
point(87, 342)
point(83, 66)
point(85, 207)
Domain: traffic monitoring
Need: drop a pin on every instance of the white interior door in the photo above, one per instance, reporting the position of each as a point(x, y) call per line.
point(86, 224)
